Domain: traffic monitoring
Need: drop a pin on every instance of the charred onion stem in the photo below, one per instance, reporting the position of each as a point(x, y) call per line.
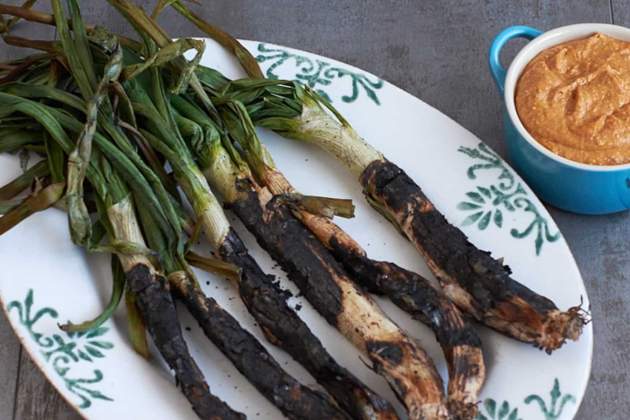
point(478, 283)
point(252, 359)
point(400, 359)
point(267, 302)
point(284, 328)
point(412, 293)
point(246, 353)
point(154, 301)
point(397, 357)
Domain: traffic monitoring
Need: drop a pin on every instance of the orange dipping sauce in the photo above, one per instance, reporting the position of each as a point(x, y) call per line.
point(574, 99)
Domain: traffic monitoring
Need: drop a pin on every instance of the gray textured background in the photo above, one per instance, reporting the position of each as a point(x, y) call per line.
point(437, 51)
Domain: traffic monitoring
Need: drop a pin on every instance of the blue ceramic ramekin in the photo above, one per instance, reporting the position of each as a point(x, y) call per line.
point(569, 185)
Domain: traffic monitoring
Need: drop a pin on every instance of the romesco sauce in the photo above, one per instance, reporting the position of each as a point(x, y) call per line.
point(574, 99)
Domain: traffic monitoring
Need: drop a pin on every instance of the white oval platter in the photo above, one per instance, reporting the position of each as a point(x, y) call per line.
point(46, 280)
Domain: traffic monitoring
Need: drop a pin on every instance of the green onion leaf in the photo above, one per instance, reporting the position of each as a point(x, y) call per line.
point(118, 287)
point(37, 202)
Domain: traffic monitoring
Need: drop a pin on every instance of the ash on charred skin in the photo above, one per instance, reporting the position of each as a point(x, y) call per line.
point(453, 336)
point(462, 411)
point(320, 278)
point(251, 359)
point(486, 279)
point(388, 351)
point(466, 367)
point(415, 295)
point(290, 244)
point(158, 311)
point(410, 292)
point(284, 328)
point(482, 276)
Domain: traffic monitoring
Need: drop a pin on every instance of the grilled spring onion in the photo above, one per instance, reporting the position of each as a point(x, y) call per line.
point(423, 395)
point(477, 283)
point(243, 349)
point(249, 356)
point(276, 381)
point(153, 299)
point(297, 401)
point(326, 286)
point(398, 358)
point(263, 298)
point(410, 291)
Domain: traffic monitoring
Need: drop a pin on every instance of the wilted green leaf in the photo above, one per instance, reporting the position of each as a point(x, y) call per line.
point(93, 328)
point(213, 265)
point(23, 181)
point(33, 204)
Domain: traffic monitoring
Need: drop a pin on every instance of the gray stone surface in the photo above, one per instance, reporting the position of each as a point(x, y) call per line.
point(35, 397)
point(437, 51)
point(10, 360)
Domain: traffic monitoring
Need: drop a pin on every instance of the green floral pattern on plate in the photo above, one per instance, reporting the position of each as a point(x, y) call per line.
point(64, 350)
point(491, 204)
point(489, 410)
point(492, 412)
point(318, 74)
point(556, 404)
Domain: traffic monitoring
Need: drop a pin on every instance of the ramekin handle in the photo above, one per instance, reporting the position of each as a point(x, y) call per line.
point(496, 69)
